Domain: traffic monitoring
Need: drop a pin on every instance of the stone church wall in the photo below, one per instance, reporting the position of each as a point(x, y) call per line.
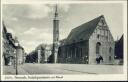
point(74, 53)
point(106, 48)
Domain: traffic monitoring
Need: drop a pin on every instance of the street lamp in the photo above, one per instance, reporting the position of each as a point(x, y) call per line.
point(14, 58)
point(16, 45)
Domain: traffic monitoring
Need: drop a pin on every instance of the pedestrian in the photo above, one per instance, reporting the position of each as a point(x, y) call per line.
point(101, 58)
point(97, 60)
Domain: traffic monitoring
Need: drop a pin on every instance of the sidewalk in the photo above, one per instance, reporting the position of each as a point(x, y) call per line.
point(93, 69)
point(90, 69)
point(10, 70)
point(21, 71)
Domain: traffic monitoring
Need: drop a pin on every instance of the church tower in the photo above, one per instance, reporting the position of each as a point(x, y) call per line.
point(55, 35)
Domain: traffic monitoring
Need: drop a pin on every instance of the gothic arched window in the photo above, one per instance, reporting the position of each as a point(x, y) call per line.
point(98, 45)
point(110, 58)
point(110, 50)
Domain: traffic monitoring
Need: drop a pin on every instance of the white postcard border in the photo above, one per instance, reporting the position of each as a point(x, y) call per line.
point(71, 77)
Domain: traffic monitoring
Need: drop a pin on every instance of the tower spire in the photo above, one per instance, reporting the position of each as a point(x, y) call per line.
point(56, 9)
point(56, 12)
point(55, 35)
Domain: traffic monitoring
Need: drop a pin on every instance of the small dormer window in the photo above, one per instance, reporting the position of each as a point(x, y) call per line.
point(98, 36)
point(102, 21)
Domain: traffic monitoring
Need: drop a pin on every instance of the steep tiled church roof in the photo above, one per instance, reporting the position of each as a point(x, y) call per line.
point(83, 32)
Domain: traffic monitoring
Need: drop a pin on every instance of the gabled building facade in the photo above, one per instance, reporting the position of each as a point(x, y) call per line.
point(8, 47)
point(89, 43)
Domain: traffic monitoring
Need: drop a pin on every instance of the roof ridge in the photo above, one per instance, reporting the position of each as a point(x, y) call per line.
point(84, 30)
point(89, 21)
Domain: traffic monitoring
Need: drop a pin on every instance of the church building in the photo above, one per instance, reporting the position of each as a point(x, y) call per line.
point(89, 43)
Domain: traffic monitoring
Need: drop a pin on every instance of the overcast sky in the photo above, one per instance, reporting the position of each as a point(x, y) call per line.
point(33, 23)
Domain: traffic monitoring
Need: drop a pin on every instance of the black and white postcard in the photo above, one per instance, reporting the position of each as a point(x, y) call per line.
point(63, 40)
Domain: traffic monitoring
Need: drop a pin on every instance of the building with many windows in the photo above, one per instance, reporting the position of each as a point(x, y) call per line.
point(9, 48)
point(89, 43)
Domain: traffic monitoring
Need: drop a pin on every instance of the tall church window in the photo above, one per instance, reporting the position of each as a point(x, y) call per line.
point(110, 58)
point(98, 36)
point(110, 50)
point(75, 53)
point(67, 53)
point(98, 45)
point(71, 53)
point(81, 52)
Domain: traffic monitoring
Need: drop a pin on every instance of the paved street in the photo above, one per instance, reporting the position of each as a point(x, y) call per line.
point(10, 70)
point(30, 68)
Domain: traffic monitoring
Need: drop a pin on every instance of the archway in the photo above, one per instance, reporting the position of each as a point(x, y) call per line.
point(98, 46)
point(98, 53)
